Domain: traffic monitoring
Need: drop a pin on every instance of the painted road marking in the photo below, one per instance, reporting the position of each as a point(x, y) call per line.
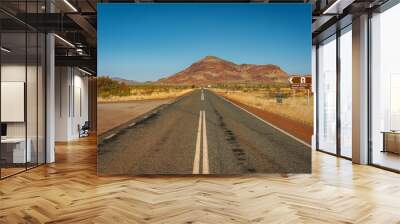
point(196, 162)
point(201, 135)
point(110, 136)
point(202, 95)
point(205, 147)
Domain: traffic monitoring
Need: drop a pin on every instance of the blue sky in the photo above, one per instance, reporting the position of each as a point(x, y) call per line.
point(145, 42)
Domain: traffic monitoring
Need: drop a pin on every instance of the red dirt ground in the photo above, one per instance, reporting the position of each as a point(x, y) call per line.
point(297, 129)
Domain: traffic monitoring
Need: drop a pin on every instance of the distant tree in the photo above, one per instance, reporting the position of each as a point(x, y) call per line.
point(107, 87)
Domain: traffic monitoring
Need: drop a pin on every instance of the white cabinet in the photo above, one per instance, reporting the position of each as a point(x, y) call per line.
point(19, 154)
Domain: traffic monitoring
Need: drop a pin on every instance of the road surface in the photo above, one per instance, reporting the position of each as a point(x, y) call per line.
point(201, 133)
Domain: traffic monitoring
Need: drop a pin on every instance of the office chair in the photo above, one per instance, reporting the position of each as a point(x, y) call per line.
point(84, 130)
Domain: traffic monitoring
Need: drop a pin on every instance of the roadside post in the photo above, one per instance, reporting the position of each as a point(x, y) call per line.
point(279, 98)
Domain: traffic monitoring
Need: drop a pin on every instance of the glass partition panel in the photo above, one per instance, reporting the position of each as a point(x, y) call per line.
point(31, 98)
point(22, 88)
point(14, 153)
point(327, 95)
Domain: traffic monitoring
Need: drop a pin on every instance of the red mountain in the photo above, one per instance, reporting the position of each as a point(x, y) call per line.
point(214, 70)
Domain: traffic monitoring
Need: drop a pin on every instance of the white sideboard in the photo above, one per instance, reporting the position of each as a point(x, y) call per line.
point(20, 155)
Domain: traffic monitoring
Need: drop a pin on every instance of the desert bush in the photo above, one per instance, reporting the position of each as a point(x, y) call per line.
point(112, 90)
point(106, 87)
point(295, 108)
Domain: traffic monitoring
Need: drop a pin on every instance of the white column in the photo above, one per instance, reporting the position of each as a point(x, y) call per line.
point(313, 85)
point(50, 92)
point(360, 90)
point(50, 100)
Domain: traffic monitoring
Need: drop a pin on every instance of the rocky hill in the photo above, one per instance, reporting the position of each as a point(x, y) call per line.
point(214, 70)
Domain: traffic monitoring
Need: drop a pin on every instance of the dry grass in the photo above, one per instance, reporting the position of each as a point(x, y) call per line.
point(143, 94)
point(294, 108)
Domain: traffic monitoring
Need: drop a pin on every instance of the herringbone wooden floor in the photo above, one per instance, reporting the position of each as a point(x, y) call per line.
point(70, 192)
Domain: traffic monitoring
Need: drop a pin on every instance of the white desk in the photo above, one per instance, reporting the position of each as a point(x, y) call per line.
point(19, 155)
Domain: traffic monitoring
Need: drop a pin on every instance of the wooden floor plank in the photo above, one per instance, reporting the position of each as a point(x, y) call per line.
point(69, 191)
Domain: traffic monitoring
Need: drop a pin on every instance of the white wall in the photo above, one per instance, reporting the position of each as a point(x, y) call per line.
point(12, 73)
point(80, 109)
point(62, 82)
point(71, 87)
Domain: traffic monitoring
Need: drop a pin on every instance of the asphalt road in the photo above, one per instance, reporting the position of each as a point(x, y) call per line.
point(201, 133)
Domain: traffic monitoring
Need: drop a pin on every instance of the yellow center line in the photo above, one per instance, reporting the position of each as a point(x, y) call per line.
point(196, 162)
point(205, 146)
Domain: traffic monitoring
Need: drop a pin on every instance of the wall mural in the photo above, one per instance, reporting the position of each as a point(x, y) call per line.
point(204, 89)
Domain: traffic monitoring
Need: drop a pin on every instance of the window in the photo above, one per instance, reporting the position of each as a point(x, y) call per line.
point(346, 92)
point(327, 95)
point(385, 89)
